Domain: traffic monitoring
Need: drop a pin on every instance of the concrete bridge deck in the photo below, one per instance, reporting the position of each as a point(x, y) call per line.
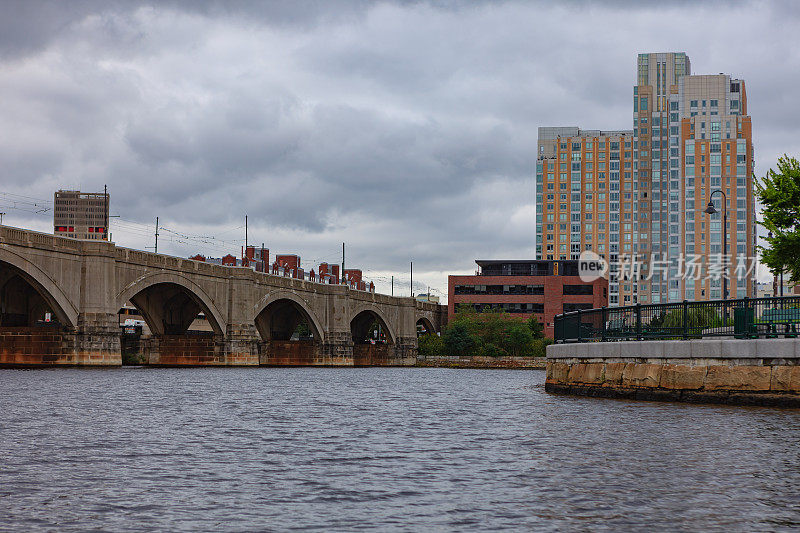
point(82, 285)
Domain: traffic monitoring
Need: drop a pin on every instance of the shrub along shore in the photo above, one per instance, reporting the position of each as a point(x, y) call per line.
point(490, 339)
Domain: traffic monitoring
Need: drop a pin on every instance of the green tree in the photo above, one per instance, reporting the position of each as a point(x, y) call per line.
point(458, 340)
point(430, 345)
point(540, 346)
point(492, 328)
point(519, 339)
point(536, 327)
point(779, 193)
point(302, 331)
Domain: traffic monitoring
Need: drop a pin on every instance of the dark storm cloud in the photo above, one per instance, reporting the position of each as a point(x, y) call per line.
point(407, 129)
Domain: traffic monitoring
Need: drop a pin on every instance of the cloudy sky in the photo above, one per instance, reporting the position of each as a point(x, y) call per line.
point(405, 129)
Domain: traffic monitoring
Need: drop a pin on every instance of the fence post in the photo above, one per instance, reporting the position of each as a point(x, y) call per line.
point(748, 330)
point(603, 316)
point(638, 321)
point(580, 323)
point(685, 319)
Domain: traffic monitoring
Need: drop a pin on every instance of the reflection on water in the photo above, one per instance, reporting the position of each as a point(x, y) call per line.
point(244, 449)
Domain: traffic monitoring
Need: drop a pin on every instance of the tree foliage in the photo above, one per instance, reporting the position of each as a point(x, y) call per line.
point(459, 341)
point(536, 327)
point(702, 318)
point(430, 344)
point(491, 333)
point(779, 193)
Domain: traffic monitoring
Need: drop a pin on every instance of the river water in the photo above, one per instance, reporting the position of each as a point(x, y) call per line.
point(245, 449)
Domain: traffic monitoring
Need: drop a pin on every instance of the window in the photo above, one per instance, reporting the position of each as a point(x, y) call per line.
point(572, 290)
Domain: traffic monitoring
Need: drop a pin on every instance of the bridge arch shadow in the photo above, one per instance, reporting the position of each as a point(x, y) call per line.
point(185, 324)
point(291, 334)
point(425, 326)
point(28, 294)
point(37, 321)
point(169, 304)
point(373, 339)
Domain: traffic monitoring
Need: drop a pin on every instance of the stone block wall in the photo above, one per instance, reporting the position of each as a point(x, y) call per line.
point(52, 346)
point(191, 350)
point(717, 371)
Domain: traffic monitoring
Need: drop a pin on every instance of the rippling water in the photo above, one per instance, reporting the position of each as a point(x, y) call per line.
point(392, 448)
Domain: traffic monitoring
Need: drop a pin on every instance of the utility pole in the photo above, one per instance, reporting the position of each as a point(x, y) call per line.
point(392, 285)
point(412, 279)
point(156, 249)
point(343, 278)
point(245, 232)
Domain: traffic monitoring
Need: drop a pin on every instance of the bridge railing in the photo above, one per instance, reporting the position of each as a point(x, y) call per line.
point(745, 318)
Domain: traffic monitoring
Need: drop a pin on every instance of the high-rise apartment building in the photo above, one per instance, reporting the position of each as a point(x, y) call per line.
point(638, 198)
point(658, 76)
point(81, 215)
point(711, 150)
point(586, 199)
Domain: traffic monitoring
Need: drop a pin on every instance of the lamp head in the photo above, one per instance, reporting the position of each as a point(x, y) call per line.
point(711, 209)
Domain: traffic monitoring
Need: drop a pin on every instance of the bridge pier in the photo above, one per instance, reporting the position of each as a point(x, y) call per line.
point(337, 348)
point(98, 340)
point(242, 345)
point(405, 351)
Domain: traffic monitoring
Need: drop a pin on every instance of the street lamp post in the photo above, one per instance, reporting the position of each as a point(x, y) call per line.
point(711, 210)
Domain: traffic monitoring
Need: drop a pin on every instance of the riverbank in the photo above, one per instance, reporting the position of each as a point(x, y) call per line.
point(478, 361)
point(728, 371)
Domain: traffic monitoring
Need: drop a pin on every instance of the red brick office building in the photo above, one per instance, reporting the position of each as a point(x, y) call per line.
point(524, 288)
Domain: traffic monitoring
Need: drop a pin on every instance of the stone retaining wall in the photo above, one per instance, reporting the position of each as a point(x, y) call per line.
point(754, 372)
point(447, 361)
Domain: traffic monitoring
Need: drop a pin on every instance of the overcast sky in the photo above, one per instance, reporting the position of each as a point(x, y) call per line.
point(405, 129)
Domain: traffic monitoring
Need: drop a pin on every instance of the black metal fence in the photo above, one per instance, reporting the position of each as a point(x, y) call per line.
point(746, 318)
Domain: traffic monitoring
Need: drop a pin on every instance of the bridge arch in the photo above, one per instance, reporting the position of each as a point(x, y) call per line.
point(43, 284)
point(426, 323)
point(277, 301)
point(363, 317)
point(187, 287)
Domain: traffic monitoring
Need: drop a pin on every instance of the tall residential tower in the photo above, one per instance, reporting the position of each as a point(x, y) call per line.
point(586, 198)
point(639, 197)
point(657, 78)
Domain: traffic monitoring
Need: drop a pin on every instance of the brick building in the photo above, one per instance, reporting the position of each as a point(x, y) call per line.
point(524, 288)
point(329, 273)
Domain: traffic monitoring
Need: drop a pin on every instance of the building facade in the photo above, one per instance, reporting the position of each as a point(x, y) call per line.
point(714, 145)
point(586, 198)
point(643, 207)
point(542, 289)
point(81, 215)
point(657, 79)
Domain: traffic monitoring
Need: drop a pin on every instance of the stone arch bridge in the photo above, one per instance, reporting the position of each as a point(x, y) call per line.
point(60, 299)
